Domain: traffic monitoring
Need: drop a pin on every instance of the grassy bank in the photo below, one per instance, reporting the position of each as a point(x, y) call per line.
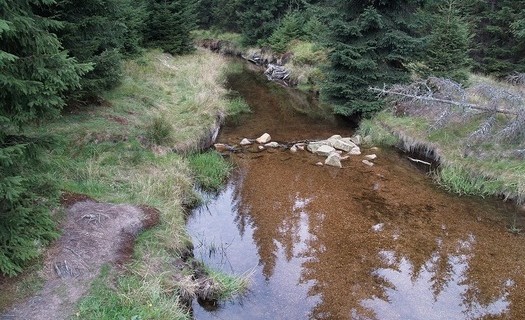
point(475, 155)
point(121, 151)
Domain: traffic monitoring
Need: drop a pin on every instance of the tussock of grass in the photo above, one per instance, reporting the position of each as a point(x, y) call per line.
point(137, 299)
point(230, 286)
point(210, 169)
point(306, 63)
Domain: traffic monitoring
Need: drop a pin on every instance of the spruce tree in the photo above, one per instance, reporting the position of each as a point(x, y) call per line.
point(98, 32)
point(447, 54)
point(169, 25)
point(371, 43)
point(258, 19)
point(498, 35)
point(34, 74)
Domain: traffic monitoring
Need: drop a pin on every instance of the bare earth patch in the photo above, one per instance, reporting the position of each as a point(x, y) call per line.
point(94, 234)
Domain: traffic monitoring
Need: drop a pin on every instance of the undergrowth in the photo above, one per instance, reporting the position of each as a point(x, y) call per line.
point(122, 152)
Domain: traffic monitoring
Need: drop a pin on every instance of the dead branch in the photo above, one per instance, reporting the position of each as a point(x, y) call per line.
point(427, 98)
point(419, 161)
point(516, 79)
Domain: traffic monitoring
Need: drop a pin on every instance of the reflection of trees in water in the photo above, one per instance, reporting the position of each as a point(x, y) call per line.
point(440, 289)
point(407, 271)
point(273, 212)
point(343, 257)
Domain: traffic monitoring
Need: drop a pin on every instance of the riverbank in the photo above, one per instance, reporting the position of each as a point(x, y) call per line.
point(137, 146)
point(479, 153)
point(470, 161)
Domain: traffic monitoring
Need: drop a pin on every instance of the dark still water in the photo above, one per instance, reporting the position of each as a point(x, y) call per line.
point(359, 242)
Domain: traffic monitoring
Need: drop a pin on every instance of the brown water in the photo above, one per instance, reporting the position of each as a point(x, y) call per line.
point(361, 242)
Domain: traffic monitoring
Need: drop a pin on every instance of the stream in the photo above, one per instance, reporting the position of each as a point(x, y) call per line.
point(380, 242)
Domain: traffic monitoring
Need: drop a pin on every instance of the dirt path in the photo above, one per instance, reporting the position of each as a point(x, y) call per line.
point(93, 234)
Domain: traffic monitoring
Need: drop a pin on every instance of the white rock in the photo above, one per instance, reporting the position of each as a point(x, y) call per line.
point(245, 142)
point(293, 149)
point(336, 136)
point(260, 147)
point(300, 147)
point(265, 138)
point(357, 139)
point(378, 227)
point(319, 164)
point(368, 163)
point(324, 150)
point(221, 147)
point(355, 151)
point(344, 158)
point(370, 157)
point(333, 160)
point(272, 145)
point(341, 145)
point(313, 146)
point(349, 141)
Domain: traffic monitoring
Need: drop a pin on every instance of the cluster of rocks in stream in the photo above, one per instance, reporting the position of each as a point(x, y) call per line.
point(335, 149)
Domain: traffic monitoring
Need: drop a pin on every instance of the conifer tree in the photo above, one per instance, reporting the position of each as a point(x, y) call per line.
point(498, 35)
point(98, 32)
point(258, 19)
point(34, 74)
point(371, 42)
point(447, 53)
point(169, 24)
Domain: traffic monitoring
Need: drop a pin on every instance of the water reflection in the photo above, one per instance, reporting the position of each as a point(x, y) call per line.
point(360, 242)
point(440, 289)
point(365, 258)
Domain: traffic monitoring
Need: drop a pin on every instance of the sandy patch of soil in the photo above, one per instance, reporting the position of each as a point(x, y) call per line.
point(93, 234)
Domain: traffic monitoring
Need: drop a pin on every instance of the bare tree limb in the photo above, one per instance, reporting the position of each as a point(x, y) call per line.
point(388, 92)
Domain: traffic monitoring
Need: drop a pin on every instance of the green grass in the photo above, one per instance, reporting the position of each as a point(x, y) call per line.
point(122, 152)
point(201, 34)
point(136, 299)
point(230, 286)
point(485, 173)
point(210, 169)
